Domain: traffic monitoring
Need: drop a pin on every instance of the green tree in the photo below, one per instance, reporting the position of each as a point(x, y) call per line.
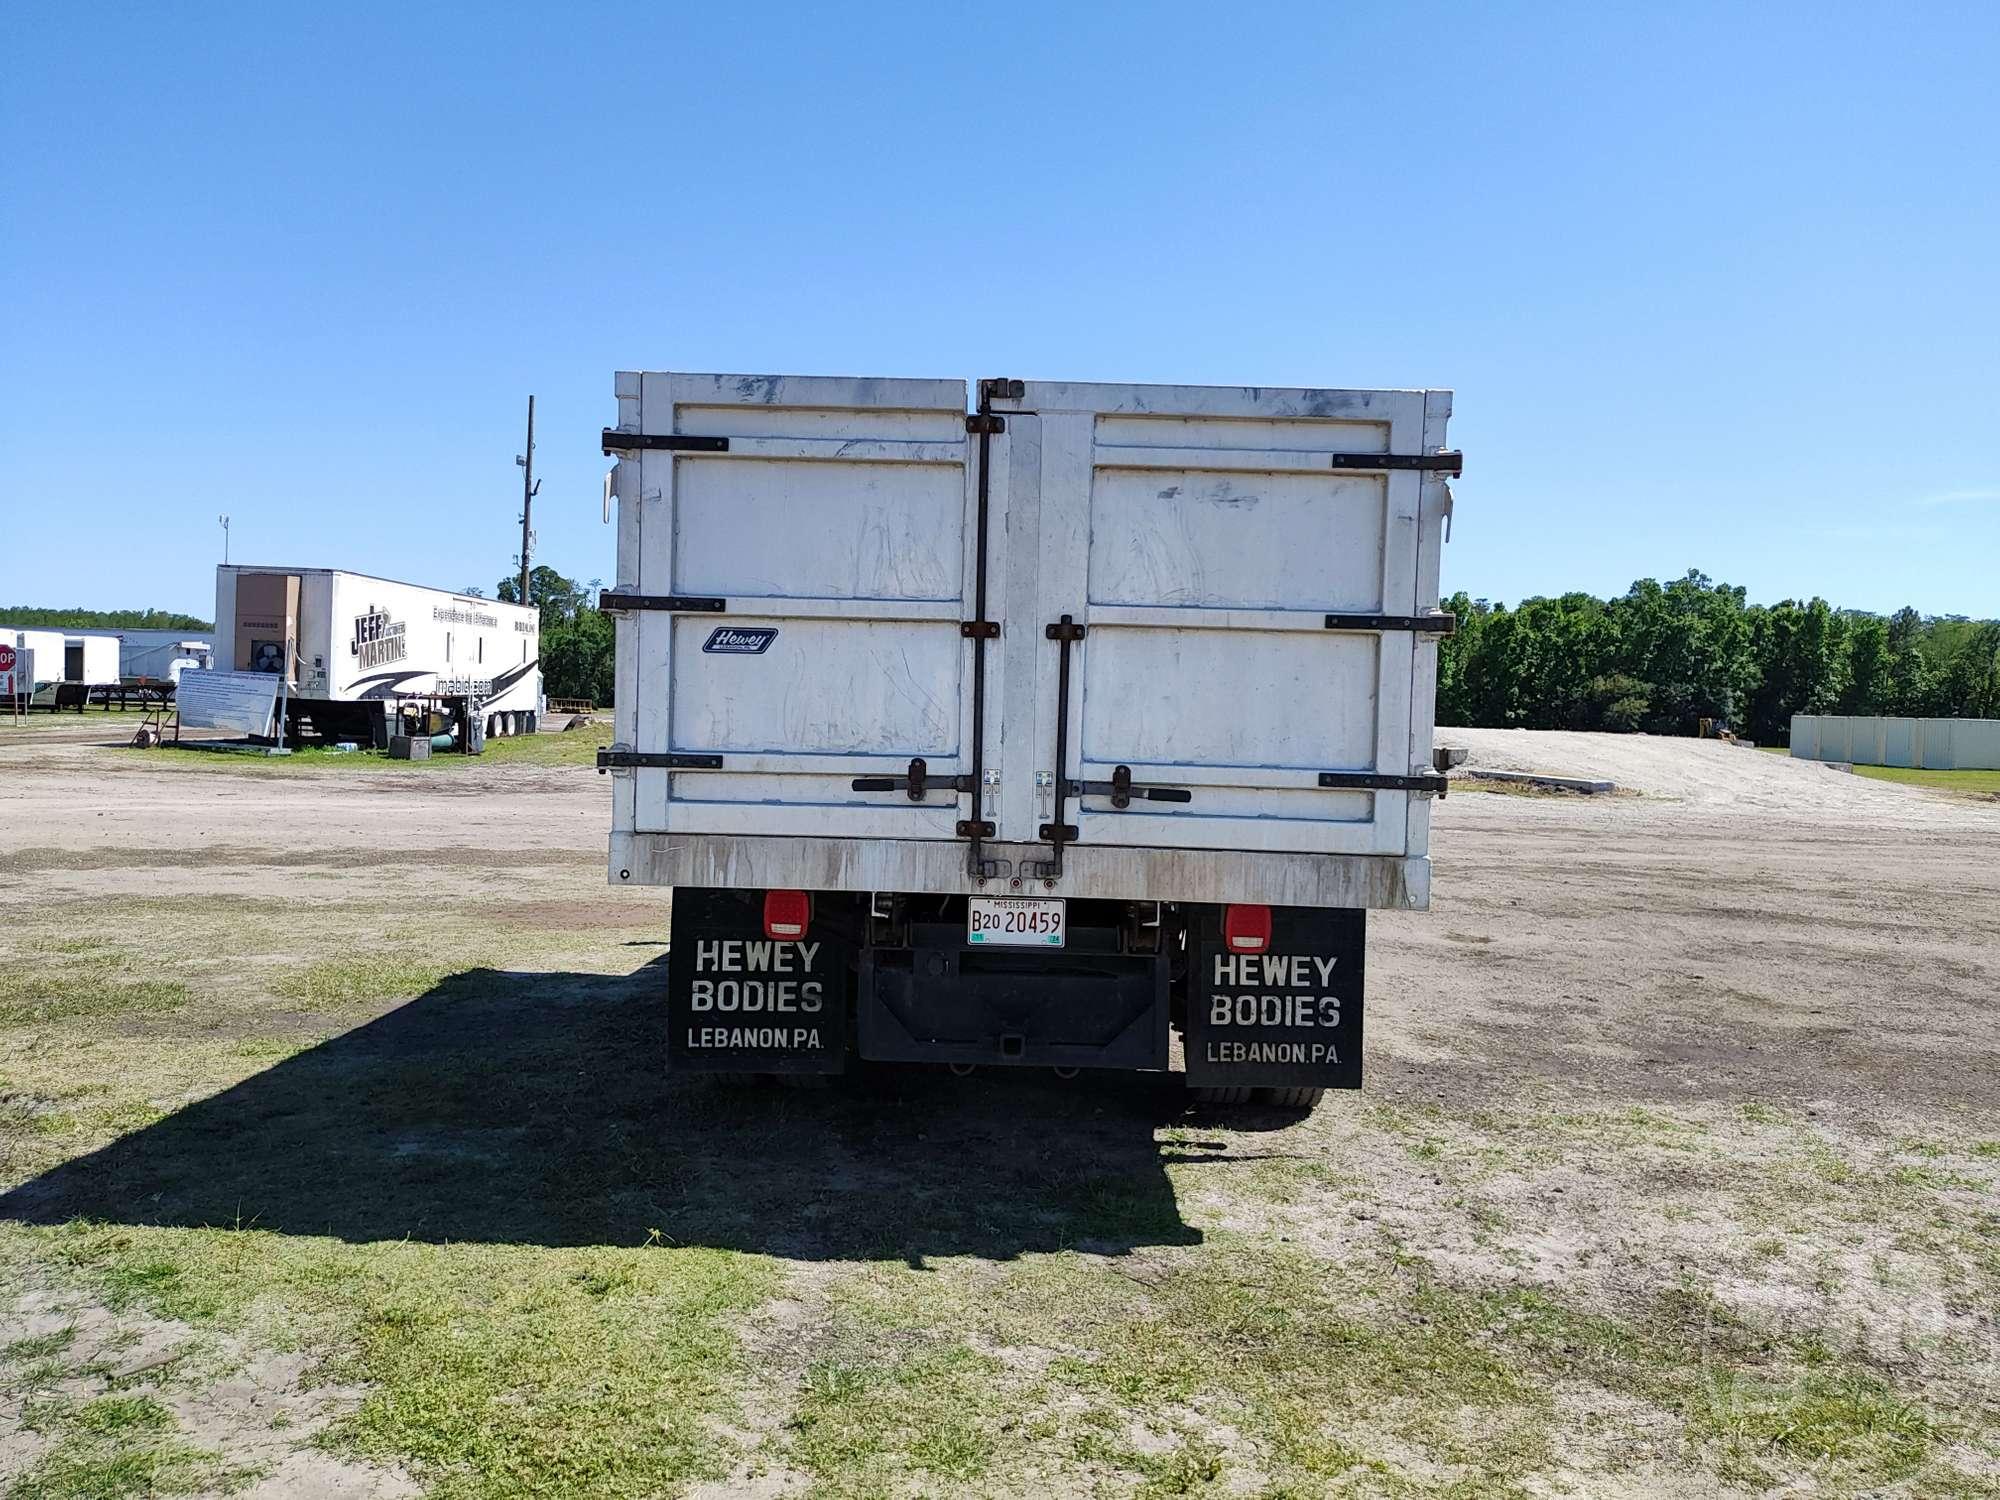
point(1800, 658)
point(578, 642)
point(1689, 641)
point(1868, 683)
point(29, 616)
point(559, 599)
point(1663, 657)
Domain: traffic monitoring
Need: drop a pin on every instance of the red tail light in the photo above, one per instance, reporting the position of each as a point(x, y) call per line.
point(1245, 929)
point(786, 915)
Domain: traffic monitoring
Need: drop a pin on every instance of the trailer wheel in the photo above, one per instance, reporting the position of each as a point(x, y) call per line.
point(1220, 1094)
point(1301, 1099)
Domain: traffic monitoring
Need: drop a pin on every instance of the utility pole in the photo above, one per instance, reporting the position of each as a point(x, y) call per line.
point(528, 489)
point(225, 539)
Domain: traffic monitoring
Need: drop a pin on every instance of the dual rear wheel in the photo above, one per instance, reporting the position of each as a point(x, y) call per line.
point(1245, 1094)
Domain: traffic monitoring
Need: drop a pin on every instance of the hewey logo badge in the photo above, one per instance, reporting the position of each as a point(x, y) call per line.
point(732, 640)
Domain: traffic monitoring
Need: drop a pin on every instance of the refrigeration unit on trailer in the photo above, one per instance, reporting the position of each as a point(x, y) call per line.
point(1035, 734)
point(348, 644)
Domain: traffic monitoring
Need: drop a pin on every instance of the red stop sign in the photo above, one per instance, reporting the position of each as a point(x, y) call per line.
point(6, 658)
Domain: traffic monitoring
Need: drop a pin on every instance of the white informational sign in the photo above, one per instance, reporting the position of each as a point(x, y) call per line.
point(245, 702)
point(17, 671)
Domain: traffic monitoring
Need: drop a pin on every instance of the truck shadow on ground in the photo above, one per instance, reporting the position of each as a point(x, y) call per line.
point(532, 1108)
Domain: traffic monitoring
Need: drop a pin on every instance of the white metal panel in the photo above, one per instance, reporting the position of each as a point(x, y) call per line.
point(47, 646)
point(1098, 870)
point(838, 521)
point(444, 637)
point(896, 691)
point(1201, 535)
point(100, 658)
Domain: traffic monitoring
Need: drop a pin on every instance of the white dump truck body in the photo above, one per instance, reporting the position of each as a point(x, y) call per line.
point(1255, 575)
point(345, 637)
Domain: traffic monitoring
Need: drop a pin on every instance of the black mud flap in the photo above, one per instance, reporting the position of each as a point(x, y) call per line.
point(1286, 1018)
point(738, 1002)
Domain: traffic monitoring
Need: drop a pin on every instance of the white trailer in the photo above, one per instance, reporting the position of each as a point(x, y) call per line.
point(47, 646)
point(1029, 734)
point(161, 655)
point(347, 644)
point(90, 659)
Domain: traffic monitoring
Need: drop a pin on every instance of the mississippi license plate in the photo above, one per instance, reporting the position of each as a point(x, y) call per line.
point(1007, 922)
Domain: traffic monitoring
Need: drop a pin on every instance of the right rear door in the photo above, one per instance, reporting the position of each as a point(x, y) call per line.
point(1203, 536)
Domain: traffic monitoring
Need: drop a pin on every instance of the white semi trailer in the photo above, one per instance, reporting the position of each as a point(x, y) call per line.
point(49, 649)
point(1034, 733)
point(348, 644)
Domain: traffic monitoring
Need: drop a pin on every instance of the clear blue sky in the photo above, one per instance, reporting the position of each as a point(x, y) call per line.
point(1717, 286)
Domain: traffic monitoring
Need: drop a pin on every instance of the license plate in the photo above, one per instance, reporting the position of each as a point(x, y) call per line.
point(1005, 922)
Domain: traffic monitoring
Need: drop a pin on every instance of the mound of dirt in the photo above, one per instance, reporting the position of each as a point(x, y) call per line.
point(1705, 774)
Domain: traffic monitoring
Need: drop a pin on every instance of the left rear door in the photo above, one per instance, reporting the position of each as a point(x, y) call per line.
point(807, 542)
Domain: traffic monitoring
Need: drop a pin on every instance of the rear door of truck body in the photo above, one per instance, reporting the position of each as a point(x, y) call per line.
point(824, 528)
point(817, 541)
point(1202, 537)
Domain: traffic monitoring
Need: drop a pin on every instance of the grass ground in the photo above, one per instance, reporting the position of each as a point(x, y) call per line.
point(576, 747)
point(406, 1171)
point(1972, 782)
point(40, 722)
point(451, 1170)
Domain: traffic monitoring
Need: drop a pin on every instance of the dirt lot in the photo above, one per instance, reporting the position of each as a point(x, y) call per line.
point(334, 1161)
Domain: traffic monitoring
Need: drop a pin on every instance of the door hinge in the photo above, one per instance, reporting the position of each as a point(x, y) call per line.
point(689, 604)
point(1000, 390)
point(672, 442)
point(986, 422)
point(648, 760)
point(1442, 623)
point(1449, 462)
point(979, 630)
point(1064, 629)
point(1422, 783)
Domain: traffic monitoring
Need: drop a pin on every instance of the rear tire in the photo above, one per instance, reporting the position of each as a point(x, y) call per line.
point(1300, 1099)
point(1220, 1094)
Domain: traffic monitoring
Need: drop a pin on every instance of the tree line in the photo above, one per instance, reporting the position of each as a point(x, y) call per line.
point(1658, 658)
point(28, 617)
point(1661, 658)
point(576, 641)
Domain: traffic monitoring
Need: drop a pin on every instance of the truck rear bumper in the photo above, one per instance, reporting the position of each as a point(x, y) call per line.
point(728, 861)
point(942, 1000)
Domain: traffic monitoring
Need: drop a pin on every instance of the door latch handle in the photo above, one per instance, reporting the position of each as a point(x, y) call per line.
point(916, 782)
point(1121, 790)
